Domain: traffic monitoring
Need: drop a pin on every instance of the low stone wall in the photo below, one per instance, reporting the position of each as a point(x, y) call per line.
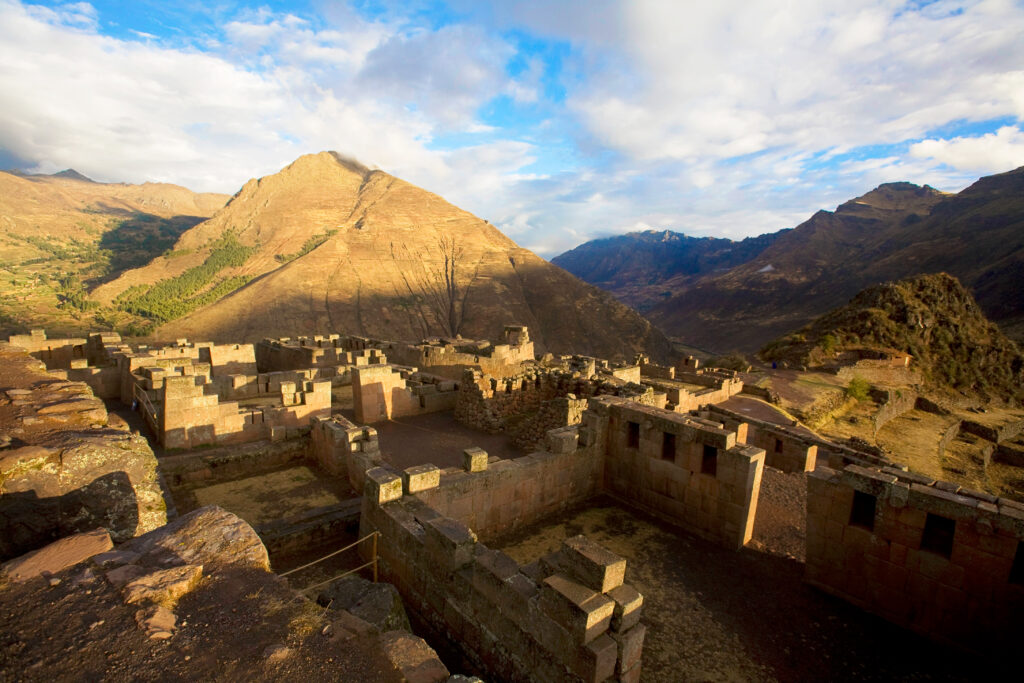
point(762, 393)
point(572, 619)
point(191, 470)
point(321, 527)
point(655, 371)
point(826, 404)
point(55, 353)
point(1009, 454)
point(895, 402)
point(998, 434)
point(950, 433)
point(927, 555)
point(382, 392)
point(688, 471)
point(494, 498)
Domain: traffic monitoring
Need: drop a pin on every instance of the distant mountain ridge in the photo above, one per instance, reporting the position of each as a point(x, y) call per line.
point(895, 231)
point(640, 268)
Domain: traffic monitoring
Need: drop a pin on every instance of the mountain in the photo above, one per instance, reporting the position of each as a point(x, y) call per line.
point(933, 318)
point(643, 268)
point(62, 233)
point(329, 245)
point(897, 230)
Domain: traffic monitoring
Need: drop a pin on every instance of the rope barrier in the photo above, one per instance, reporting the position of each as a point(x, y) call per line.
point(372, 535)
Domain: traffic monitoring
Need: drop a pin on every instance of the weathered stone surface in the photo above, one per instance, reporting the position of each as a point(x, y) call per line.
point(411, 655)
point(593, 565)
point(209, 536)
point(585, 613)
point(57, 556)
point(420, 478)
point(382, 485)
point(120, 576)
point(628, 604)
point(474, 459)
point(163, 586)
point(157, 621)
point(378, 604)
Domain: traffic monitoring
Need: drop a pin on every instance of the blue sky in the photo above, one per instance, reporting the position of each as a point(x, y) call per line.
point(558, 121)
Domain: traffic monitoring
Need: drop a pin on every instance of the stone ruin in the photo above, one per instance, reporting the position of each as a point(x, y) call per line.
point(924, 554)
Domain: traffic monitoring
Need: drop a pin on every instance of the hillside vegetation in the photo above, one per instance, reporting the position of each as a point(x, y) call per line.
point(931, 317)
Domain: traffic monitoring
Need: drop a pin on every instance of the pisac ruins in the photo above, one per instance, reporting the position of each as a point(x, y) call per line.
point(117, 460)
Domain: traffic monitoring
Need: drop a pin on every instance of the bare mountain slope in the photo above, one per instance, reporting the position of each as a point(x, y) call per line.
point(329, 245)
point(60, 233)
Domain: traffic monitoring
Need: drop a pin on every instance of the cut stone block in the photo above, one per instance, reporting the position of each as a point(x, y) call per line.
point(58, 555)
point(382, 486)
point(584, 613)
point(628, 604)
point(593, 565)
point(596, 661)
point(630, 645)
point(420, 478)
point(450, 541)
point(474, 459)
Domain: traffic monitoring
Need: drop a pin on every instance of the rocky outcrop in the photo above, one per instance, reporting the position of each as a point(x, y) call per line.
point(62, 471)
point(58, 556)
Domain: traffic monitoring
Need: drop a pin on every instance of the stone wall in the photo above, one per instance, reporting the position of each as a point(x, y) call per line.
point(655, 371)
point(996, 434)
point(191, 413)
point(205, 467)
point(487, 403)
point(762, 393)
point(382, 392)
point(278, 355)
point(895, 402)
point(529, 434)
point(342, 448)
point(927, 555)
point(688, 471)
point(55, 353)
point(494, 498)
point(571, 619)
point(784, 450)
point(951, 432)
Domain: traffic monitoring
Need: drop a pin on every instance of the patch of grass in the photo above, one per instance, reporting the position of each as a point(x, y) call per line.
point(307, 246)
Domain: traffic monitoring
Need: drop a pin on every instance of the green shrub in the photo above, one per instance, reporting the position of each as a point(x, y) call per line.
point(858, 389)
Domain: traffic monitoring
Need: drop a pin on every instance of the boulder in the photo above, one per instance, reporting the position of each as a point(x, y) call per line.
point(378, 604)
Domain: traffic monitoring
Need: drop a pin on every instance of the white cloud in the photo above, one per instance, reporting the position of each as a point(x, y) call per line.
point(990, 153)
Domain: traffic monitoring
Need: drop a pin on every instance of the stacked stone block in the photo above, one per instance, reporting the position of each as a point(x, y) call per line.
point(342, 448)
point(927, 555)
point(572, 619)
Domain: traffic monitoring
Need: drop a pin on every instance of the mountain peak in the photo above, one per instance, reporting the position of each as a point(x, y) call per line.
point(72, 174)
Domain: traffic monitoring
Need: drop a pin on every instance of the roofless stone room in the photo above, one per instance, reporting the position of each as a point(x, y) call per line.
point(605, 342)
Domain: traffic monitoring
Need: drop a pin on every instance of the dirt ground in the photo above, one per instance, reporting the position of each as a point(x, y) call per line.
point(714, 614)
point(266, 497)
point(437, 439)
point(81, 630)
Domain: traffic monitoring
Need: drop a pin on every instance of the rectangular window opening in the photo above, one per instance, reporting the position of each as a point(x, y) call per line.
point(938, 535)
point(1017, 570)
point(778, 445)
point(632, 434)
point(668, 447)
point(862, 513)
point(709, 461)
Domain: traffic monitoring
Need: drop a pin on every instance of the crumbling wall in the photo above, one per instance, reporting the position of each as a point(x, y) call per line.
point(688, 471)
point(284, 354)
point(895, 402)
point(996, 434)
point(191, 414)
point(784, 450)
point(929, 556)
point(514, 623)
point(342, 448)
point(382, 392)
point(487, 403)
point(230, 359)
point(951, 432)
